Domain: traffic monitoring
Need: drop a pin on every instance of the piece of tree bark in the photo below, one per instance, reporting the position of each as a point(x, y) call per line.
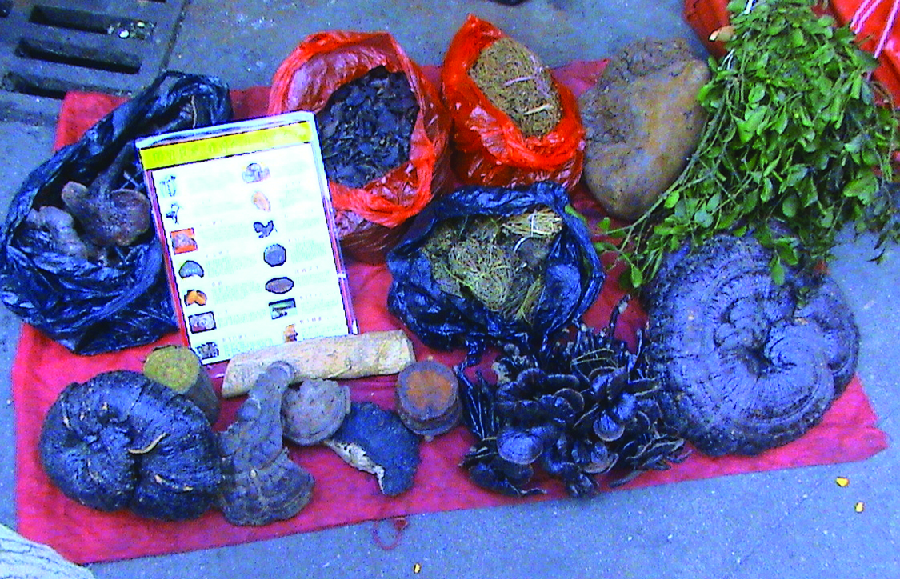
point(330, 358)
point(26, 559)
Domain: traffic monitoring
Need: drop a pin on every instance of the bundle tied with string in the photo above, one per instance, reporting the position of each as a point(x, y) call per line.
point(489, 265)
point(514, 124)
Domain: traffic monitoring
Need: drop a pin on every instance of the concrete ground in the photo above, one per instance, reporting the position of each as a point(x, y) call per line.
point(791, 523)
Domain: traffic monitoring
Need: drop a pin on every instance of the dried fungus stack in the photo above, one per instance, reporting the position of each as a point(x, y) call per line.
point(584, 407)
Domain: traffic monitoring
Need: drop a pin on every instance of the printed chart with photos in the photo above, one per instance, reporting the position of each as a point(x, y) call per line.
point(245, 215)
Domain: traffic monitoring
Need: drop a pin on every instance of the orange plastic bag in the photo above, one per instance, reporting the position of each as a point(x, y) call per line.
point(324, 62)
point(489, 149)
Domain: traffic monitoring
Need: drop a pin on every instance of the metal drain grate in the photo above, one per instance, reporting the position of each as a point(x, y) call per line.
point(50, 47)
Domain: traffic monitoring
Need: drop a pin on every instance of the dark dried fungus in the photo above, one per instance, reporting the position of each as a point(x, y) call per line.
point(583, 406)
point(262, 485)
point(314, 410)
point(746, 364)
point(121, 440)
point(365, 128)
point(375, 440)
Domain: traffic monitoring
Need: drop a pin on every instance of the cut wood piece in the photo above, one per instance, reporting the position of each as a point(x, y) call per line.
point(330, 358)
point(179, 368)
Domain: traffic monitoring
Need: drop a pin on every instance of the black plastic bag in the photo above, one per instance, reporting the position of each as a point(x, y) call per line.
point(93, 307)
point(572, 276)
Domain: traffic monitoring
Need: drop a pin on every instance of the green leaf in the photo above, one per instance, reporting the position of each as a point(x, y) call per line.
point(636, 277)
point(756, 94)
point(789, 206)
point(671, 199)
point(777, 269)
point(855, 144)
point(750, 125)
point(703, 218)
point(604, 224)
point(862, 188)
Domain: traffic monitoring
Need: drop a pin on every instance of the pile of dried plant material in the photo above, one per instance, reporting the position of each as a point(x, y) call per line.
point(516, 82)
point(365, 128)
point(497, 260)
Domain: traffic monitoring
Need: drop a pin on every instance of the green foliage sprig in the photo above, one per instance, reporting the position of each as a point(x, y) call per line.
point(794, 137)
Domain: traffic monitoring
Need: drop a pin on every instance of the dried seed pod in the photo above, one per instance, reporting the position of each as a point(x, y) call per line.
point(428, 398)
point(314, 411)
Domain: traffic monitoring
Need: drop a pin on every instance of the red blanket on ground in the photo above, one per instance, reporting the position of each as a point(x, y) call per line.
point(342, 494)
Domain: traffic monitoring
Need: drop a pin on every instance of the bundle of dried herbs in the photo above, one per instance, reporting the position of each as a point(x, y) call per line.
point(795, 138)
point(495, 259)
point(365, 127)
point(516, 82)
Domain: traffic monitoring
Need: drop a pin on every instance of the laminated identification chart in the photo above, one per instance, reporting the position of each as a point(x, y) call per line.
point(245, 214)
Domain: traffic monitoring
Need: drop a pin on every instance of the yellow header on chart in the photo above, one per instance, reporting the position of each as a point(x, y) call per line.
point(203, 149)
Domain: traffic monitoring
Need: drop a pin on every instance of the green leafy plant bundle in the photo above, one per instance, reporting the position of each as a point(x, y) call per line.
point(797, 140)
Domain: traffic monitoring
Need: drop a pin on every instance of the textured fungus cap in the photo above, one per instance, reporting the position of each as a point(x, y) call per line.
point(121, 440)
point(746, 364)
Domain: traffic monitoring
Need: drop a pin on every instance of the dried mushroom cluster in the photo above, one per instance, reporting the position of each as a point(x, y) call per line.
point(583, 407)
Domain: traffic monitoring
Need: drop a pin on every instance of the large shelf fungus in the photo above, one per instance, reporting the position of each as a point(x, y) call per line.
point(746, 364)
point(121, 440)
point(262, 485)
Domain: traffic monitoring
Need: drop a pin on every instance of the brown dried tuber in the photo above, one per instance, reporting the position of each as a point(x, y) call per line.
point(60, 225)
point(108, 218)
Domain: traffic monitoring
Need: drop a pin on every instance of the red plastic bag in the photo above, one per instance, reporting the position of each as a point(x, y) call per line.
point(324, 62)
point(489, 149)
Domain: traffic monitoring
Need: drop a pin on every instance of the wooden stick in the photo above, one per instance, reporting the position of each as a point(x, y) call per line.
point(332, 358)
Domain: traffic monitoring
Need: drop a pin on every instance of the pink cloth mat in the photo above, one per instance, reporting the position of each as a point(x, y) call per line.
point(342, 495)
